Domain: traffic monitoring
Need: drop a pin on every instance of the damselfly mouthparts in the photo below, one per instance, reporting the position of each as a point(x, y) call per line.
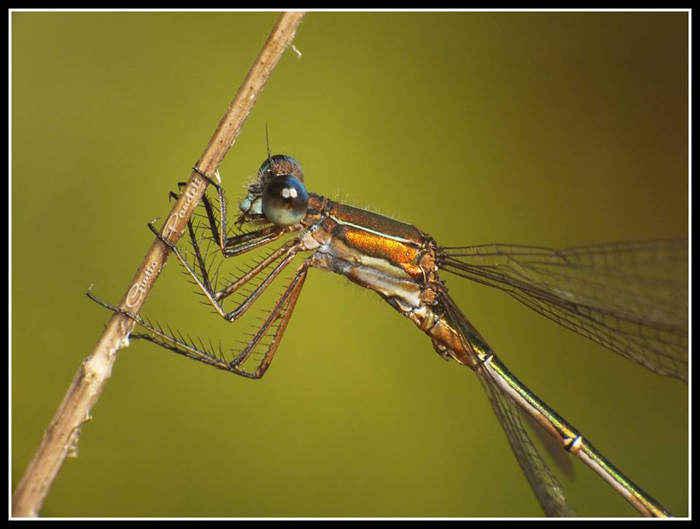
point(631, 297)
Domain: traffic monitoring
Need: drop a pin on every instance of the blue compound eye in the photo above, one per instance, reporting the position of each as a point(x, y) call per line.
point(284, 200)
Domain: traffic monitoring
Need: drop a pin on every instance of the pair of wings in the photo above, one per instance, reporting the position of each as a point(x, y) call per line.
point(631, 298)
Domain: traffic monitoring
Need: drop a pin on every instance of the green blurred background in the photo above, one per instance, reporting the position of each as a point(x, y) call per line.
point(545, 129)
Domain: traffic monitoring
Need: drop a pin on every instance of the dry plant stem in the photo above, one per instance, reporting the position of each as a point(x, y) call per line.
point(61, 437)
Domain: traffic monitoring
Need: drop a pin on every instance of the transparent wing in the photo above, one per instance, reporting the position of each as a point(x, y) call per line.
point(544, 484)
point(547, 489)
point(630, 297)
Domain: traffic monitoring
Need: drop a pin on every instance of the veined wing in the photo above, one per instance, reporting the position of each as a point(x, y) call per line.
point(547, 489)
point(630, 297)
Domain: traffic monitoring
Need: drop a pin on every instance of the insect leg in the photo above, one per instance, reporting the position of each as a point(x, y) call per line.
point(286, 253)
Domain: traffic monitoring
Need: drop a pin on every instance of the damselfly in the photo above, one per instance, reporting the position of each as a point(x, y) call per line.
point(631, 298)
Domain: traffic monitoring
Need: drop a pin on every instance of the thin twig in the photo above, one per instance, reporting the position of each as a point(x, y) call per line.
point(61, 437)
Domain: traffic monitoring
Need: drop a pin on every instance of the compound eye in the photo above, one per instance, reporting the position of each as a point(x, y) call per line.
point(284, 200)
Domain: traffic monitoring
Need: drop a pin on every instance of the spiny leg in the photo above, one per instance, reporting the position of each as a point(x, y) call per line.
point(238, 244)
point(282, 311)
point(243, 242)
point(234, 245)
point(164, 339)
point(291, 246)
point(198, 255)
point(195, 243)
point(286, 253)
point(218, 230)
point(284, 307)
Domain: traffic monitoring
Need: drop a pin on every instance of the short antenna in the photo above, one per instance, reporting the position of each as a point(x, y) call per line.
point(267, 141)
